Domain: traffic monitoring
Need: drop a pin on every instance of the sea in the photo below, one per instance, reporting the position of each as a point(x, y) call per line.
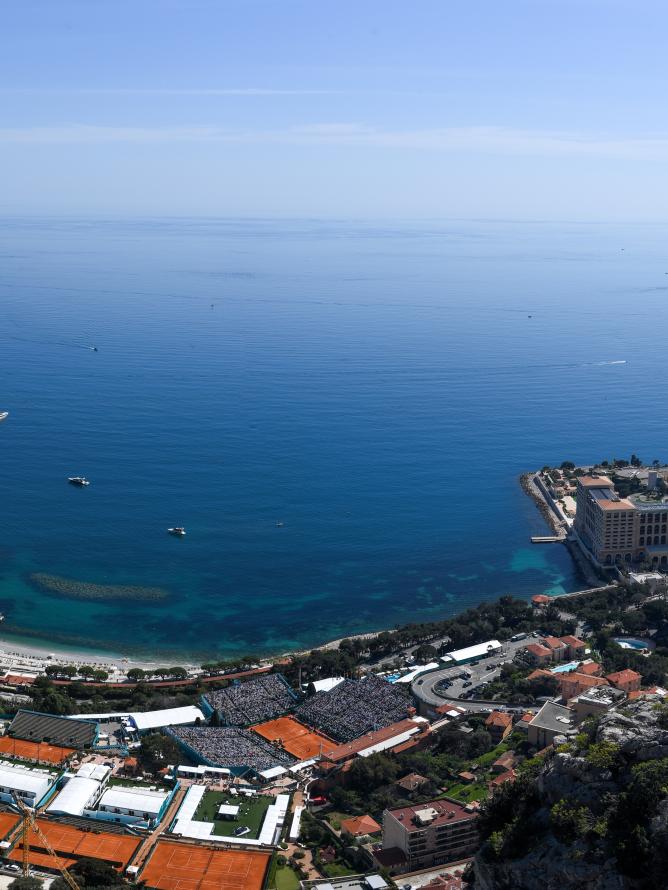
point(338, 413)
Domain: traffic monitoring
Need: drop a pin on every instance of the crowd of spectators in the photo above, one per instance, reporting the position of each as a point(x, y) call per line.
point(262, 698)
point(355, 707)
point(230, 747)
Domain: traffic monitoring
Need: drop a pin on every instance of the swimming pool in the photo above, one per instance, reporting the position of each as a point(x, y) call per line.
point(632, 643)
point(564, 668)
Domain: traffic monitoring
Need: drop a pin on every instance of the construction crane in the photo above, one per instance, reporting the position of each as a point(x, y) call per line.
point(28, 821)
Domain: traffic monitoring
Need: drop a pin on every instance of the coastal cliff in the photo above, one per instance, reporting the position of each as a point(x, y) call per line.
point(594, 816)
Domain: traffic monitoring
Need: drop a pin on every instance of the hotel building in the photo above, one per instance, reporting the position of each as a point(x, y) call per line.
point(615, 530)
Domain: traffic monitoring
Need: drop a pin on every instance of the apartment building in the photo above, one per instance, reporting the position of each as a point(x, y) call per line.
point(620, 530)
point(430, 833)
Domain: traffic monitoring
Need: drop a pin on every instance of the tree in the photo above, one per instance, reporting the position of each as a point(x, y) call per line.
point(158, 751)
point(60, 670)
point(25, 883)
point(91, 873)
point(425, 652)
point(100, 676)
point(567, 465)
point(136, 674)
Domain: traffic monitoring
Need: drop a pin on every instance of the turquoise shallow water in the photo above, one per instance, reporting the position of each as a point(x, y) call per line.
point(376, 388)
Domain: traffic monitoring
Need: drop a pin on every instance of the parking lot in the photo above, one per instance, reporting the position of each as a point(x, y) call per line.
point(451, 683)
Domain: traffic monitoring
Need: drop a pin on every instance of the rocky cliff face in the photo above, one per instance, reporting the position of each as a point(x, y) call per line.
point(592, 819)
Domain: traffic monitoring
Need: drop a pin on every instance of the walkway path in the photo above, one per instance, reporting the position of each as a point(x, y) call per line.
point(147, 845)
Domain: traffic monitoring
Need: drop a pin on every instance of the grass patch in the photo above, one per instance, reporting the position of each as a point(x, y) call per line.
point(467, 793)
point(337, 870)
point(486, 760)
point(251, 812)
point(285, 878)
point(335, 819)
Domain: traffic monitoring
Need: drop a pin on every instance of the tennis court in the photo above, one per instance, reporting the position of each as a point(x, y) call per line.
point(71, 843)
point(39, 752)
point(7, 822)
point(189, 867)
point(293, 737)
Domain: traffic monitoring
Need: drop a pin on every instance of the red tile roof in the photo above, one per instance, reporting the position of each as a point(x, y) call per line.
point(500, 719)
point(589, 667)
point(553, 643)
point(542, 674)
point(538, 650)
point(584, 681)
point(625, 676)
point(573, 641)
point(360, 825)
point(508, 776)
point(349, 749)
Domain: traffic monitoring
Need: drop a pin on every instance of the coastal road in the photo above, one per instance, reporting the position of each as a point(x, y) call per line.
point(424, 688)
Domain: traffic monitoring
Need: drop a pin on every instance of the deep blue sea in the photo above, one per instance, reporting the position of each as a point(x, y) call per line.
point(377, 388)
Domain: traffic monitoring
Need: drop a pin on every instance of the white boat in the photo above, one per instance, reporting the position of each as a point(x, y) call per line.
point(4, 415)
point(81, 481)
point(178, 531)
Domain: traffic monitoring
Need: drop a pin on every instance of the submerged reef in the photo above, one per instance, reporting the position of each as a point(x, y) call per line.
point(85, 590)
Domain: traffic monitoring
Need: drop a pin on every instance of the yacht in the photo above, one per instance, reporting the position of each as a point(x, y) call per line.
point(178, 530)
point(81, 481)
point(4, 415)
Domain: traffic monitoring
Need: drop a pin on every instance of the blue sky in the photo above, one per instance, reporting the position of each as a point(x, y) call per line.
point(549, 109)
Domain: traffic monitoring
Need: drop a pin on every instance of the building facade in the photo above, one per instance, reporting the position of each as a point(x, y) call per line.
point(431, 833)
point(616, 530)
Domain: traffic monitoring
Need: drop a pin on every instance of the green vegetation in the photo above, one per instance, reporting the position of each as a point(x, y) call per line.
point(251, 812)
point(158, 751)
point(500, 619)
point(285, 878)
point(92, 873)
point(25, 883)
point(80, 698)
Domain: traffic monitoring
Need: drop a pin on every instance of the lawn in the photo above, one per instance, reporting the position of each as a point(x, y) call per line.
point(337, 870)
point(285, 878)
point(466, 793)
point(334, 818)
point(251, 812)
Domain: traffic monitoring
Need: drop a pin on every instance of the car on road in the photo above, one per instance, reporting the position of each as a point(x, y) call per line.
point(466, 684)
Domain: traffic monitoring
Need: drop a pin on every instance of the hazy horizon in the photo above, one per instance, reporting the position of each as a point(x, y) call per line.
point(377, 111)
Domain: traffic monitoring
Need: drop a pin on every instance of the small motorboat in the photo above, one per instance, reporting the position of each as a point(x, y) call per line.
point(79, 481)
point(178, 531)
point(4, 415)
point(279, 523)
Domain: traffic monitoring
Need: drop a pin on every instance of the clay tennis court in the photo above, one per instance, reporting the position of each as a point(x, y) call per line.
point(188, 867)
point(71, 844)
point(40, 752)
point(294, 737)
point(7, 822)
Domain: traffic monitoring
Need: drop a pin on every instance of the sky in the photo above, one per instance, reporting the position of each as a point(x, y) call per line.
point(509, 109)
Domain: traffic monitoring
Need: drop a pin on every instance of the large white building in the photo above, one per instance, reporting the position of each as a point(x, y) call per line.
point(471, 653)
point(30, 785)
point(131, 806)
point(88, 793)
point(81, 791)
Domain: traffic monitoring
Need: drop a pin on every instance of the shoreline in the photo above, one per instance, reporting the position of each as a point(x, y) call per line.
point(39, 655)
point(21, 655)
